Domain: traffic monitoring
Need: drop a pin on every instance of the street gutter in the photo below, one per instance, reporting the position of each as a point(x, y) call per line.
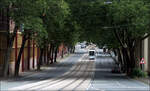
point(144, 80)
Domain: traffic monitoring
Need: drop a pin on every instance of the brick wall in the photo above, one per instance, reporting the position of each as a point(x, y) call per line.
point(29, 57)
point(27, 60)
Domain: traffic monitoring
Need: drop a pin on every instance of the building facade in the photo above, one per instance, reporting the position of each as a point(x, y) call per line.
point(149, 55)
point(30, 55)
point(143, 51)
point(146, 54)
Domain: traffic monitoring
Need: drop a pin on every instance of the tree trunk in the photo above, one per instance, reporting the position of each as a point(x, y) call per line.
point(44, 56)
point(17, 64)
point(62, 55)
point(119, 57)
point(133, 59)
point(56, 49)
point(40, 59)
point(68, 49)
point(52, 54)
point(28, 58)
point(115, 52)
point(126, 61)
point(122, 61)
point(48, 53)
point(8, 52)
point(73, 49)
point(123, 65)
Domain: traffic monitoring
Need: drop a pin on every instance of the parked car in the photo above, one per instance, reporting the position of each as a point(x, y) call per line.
point(100, 54)
point(83, 46)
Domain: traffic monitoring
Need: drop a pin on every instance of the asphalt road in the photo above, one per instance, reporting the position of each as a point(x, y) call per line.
point(105, 80)
point(76, 72)
point(50, 72)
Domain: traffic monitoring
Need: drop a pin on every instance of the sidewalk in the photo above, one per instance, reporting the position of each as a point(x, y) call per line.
point(144, 80)
point(29, 73)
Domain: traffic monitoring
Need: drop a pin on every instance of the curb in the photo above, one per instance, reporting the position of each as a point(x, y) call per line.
point(144, 80)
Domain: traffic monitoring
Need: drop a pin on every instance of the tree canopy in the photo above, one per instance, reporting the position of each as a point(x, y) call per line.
point(119, 24)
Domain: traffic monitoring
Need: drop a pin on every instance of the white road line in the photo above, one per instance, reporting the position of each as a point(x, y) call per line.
point(92, 77)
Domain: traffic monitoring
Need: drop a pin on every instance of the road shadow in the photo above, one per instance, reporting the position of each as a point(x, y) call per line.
point(58, 69)
point(103, 69)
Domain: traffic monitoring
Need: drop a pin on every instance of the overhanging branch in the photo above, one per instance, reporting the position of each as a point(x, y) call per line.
point(119, 39)
point(145, 36)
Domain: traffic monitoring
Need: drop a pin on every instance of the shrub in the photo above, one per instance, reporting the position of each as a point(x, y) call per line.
point(137, 72)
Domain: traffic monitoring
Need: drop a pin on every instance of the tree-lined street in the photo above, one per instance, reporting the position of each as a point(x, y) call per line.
point(121, 26)
point(77, 72)
point(74, 45)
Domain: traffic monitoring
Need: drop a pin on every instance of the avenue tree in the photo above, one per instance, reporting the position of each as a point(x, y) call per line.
point(129, 22)
point(54, 20)
point(21, 12)
point(121, 24)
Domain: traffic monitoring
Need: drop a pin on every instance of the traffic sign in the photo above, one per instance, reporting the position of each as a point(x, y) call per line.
point(142, 61)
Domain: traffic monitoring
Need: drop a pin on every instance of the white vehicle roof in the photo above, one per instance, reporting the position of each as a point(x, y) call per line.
point(99, 50)
point(91, 50)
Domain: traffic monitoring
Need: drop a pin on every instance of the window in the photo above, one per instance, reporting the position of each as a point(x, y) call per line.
point(91, 53)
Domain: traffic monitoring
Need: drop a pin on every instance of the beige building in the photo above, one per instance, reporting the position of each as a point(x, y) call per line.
point(146, 53)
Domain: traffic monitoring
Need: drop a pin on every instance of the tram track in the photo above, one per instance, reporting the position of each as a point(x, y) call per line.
point(68, 81)
point(61, 78)
point(83, 84)
point(52, 81)
point(63, 64)
point(73, 85)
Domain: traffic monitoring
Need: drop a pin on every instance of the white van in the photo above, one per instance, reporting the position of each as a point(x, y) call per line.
point(91, 54)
